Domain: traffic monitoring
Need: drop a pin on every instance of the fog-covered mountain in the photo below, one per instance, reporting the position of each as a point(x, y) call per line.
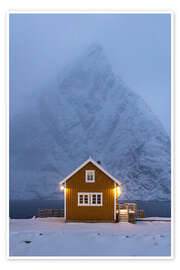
point(88, 111)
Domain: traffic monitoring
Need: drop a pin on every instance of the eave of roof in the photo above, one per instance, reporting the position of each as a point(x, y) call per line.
point(96, 164)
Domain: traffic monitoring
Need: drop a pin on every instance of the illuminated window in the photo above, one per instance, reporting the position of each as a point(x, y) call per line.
point(90, 176)
point(86, 199)
point(81, 199)
point(99, 199)
point(90, 199)
point(94, 199)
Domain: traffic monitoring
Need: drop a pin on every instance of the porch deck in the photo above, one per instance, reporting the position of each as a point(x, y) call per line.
point(127, 212)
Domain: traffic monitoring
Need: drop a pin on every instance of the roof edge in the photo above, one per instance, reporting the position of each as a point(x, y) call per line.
point(96, 164)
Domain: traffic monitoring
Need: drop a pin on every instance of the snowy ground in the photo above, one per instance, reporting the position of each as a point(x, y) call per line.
point(54, 237)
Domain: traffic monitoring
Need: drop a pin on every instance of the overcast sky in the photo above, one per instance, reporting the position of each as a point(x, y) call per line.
point(137, 45)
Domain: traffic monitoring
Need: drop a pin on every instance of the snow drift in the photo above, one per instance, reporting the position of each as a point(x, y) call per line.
point(88, 111)
point(54, 237)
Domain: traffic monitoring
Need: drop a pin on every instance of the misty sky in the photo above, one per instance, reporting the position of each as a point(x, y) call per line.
point(137, 46)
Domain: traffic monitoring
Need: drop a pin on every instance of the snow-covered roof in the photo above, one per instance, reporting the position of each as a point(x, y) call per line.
point(96, 164)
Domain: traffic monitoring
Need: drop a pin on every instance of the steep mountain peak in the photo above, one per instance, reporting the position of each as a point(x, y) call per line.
point(90, 112)
point(92, 69)
point(95, 50)
point(95, 55)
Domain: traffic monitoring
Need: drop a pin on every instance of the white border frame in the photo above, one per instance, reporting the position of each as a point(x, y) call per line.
point(135, 258)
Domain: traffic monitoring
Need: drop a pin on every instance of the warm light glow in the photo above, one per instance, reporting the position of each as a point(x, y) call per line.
point(62, 187)
point(118, 191)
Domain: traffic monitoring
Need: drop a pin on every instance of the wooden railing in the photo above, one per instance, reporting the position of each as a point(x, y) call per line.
point(140, 213)
point(50, 213)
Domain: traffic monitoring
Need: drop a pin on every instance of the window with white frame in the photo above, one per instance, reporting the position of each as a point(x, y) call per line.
point(90, 199)
point(90, 176)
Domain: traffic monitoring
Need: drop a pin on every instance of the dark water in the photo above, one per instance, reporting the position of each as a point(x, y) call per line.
point(28, 208)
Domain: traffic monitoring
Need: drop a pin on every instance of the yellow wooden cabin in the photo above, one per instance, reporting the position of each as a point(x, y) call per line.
point(90, 194)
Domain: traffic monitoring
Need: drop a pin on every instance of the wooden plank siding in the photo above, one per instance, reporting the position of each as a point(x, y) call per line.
point(77, 183)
